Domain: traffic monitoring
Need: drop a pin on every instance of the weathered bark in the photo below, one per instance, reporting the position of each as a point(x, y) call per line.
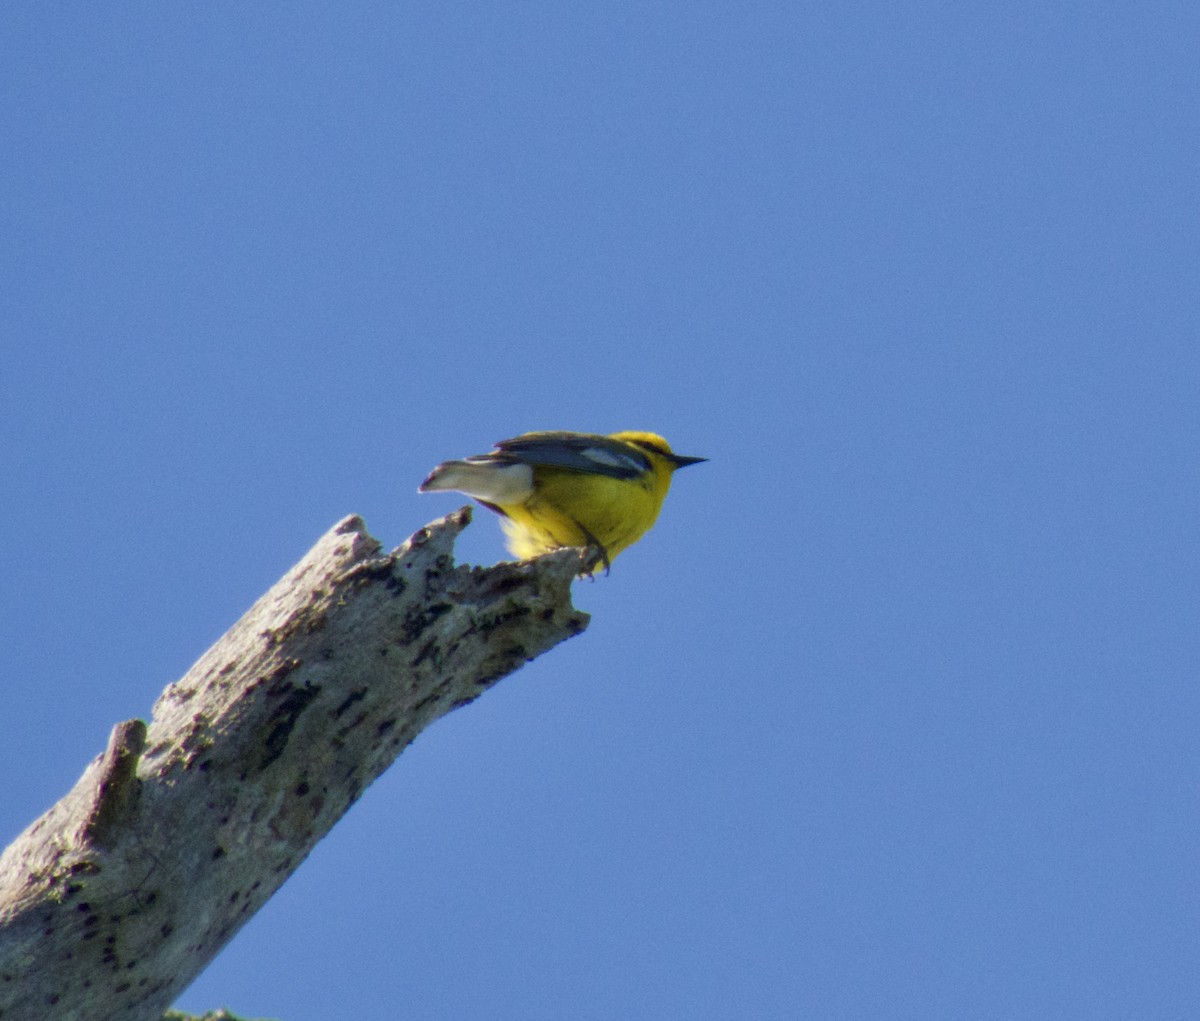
point(115, 899)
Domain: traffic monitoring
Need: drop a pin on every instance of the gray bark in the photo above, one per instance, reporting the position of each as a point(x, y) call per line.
point(116, 898)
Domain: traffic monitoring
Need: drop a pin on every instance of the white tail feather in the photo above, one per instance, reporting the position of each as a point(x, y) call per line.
point(500, 484)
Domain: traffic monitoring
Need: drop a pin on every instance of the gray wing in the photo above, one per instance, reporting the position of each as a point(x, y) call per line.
point(581, 452)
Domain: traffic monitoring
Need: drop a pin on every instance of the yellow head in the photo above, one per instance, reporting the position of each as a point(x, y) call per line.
point(663, 462)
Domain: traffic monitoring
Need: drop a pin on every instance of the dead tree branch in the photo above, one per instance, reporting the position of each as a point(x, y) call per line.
point(115, 899)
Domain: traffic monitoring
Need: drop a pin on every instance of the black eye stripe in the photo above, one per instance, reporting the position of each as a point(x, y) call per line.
point(654, 448)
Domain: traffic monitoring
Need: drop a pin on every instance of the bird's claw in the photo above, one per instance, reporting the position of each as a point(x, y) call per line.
point(592, 556)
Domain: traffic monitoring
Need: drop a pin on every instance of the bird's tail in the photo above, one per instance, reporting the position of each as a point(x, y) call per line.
point(489, 481)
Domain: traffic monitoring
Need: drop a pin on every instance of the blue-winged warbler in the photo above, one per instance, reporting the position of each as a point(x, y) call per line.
point(556, 489)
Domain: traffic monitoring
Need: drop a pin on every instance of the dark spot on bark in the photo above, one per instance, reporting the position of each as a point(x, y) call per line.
point(427, 700)
point(83, 906)
point(425, 652)
point(276, 677)
point(419, 619)
point(218, 852)
point(385, 726)
point(355, 696)
point(283, 720)
point(301, 789)
point(372, 570)
point(166, 929)
point(506, 584)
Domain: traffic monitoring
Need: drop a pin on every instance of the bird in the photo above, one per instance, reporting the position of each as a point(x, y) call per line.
point(557, 489)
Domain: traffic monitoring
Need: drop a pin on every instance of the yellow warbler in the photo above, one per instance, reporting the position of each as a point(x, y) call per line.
point(556, 489)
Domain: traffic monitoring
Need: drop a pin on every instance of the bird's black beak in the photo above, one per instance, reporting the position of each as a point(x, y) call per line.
point(682, 462)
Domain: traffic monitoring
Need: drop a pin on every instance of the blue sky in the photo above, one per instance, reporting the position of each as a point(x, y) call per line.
point(894, 713)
